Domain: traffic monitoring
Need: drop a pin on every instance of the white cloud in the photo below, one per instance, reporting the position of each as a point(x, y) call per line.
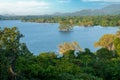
point(64, 1)
point(103, 0)
point(23, 7)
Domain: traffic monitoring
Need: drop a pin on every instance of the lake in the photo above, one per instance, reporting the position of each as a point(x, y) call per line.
point(45, 37)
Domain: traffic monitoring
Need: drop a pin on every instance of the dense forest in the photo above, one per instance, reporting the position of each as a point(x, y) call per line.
point(68, 22)
point(18, 63)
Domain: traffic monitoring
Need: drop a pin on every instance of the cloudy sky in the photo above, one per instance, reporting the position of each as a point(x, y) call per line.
point(40, 7)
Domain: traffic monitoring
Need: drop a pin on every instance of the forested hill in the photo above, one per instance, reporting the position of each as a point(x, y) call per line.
point(112, 9)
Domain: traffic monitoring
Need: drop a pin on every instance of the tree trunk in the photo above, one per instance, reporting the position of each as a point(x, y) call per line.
point(12, 74)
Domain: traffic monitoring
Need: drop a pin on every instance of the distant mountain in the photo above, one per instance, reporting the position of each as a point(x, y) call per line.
point(113, 9)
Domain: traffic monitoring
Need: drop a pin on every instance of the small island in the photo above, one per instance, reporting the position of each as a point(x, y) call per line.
point(65, 26)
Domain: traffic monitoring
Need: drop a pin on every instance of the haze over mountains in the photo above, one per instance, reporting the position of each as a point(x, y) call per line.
point(113, 9)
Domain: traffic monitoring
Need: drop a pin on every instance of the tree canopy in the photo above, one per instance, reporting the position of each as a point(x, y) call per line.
point(18, 63)
point(106, 41)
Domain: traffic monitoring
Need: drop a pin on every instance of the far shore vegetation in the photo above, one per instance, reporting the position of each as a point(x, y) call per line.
point(68, 22)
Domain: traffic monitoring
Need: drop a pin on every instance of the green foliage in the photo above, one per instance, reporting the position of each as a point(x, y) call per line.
point(18, 63)
point(10, 49)
point(86, 58)
point(117, 45)
point(104, 53)
point(112, 70)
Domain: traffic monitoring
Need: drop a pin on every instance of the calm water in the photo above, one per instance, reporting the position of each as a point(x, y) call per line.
point(44, 37)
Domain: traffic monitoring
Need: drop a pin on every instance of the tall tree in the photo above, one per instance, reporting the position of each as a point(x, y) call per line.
point(69, 46)
point(106, 41)
point(117, 45)
point(10, 45)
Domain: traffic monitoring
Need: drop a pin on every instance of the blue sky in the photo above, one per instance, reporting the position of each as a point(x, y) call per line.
point(41, 7)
